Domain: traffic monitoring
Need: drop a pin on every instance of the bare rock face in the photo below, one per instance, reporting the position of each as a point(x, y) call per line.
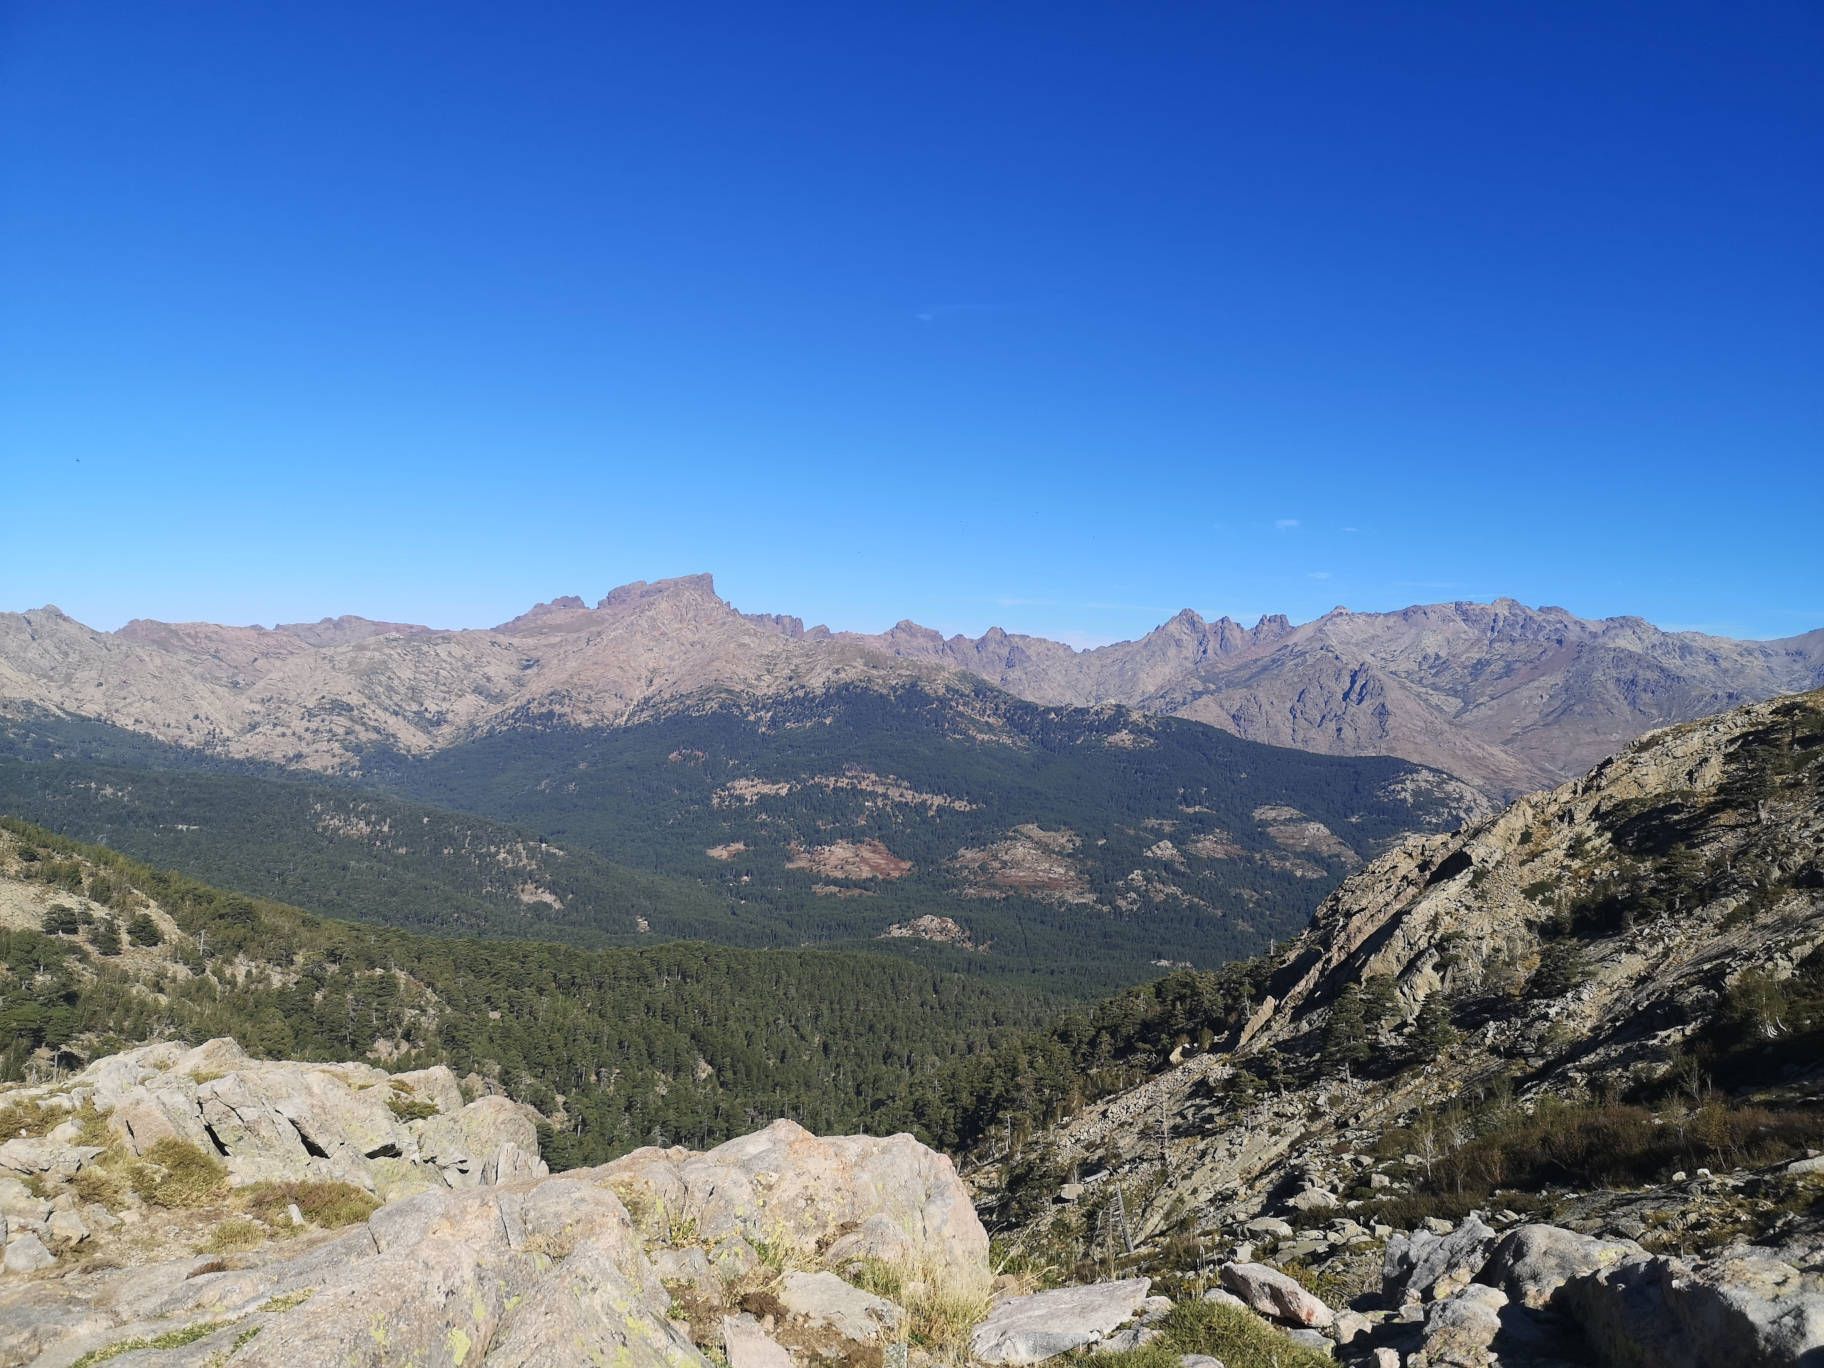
point(472, 1259)
point(847, 1199)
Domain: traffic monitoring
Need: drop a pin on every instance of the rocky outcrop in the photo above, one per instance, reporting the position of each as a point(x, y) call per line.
point(847, 1200)
point(217, 1114)
point(475, 1254)
point(266, 1120)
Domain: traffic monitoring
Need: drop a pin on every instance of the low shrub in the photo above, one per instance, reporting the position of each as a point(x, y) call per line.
point(323, 1203)
point(174, 1173)
point(233, 1235)
point(1238, 1337)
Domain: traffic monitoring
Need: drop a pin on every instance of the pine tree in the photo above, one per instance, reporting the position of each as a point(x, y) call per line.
point(1432, 1033)
point(1346, 1040)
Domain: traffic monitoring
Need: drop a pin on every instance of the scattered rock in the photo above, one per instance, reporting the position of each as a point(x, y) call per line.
point(1314, 1340)
point(26, 1254)
point(1348, 1326)
point(1269, 1226)
point(1460, 1330)
point(1130, 1337)
point(66, 1228)
point(746, 1345)
point(1032, 1328)
point(1315, 1199)
point(1272, 1293)
point(1531, 1263)
point(1427, 1266)
point(824, 1301)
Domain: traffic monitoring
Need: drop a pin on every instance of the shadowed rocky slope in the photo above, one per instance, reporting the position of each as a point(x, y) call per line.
point(1600, 1011)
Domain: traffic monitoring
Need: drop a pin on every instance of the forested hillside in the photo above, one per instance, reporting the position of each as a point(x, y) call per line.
point(684, 1042)
point(1081, 834)
point(1075, 848)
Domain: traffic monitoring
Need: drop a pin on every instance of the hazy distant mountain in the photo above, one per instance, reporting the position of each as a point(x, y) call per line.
point(1505, 696)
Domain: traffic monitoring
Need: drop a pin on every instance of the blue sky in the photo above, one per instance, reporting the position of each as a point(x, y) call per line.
point(1058, 316)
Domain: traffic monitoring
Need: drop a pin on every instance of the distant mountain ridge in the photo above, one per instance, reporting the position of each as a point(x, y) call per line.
point(1504, 696)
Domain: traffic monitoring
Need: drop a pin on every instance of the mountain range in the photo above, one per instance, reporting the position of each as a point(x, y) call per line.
point(1505, 697)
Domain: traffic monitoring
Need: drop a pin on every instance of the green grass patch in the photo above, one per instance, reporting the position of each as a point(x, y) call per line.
point(173, 1173)
point(324, 1203)
point(410, 1108)
point(21, 1119)
point(171, 1339)
point(1239, 1338)
point(233, 1235)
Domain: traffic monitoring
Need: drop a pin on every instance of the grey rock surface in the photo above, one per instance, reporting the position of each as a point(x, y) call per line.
point(1273, 1294)
point(1042, 1325)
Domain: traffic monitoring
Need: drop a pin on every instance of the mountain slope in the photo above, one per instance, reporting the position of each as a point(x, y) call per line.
point(1075, 847)
point(353, 854)
point(1507, 697)
point(1556, 1010)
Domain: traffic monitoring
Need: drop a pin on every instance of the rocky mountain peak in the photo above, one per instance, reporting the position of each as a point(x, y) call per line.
point(699, 586)
point(561, 606)
point(1503, 696)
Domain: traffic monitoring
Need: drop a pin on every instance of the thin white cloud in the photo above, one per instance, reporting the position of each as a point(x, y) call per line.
point(1285, 524)
point(1352, 529)
point(1317, 574)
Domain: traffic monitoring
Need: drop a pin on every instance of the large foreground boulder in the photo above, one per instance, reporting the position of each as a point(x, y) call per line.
point(1665, 1312)
point(1533, 1262)
point(526, 1271)
point(1273, 1294)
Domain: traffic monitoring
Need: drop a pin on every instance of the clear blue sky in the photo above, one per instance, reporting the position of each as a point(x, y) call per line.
point(1059, 316)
